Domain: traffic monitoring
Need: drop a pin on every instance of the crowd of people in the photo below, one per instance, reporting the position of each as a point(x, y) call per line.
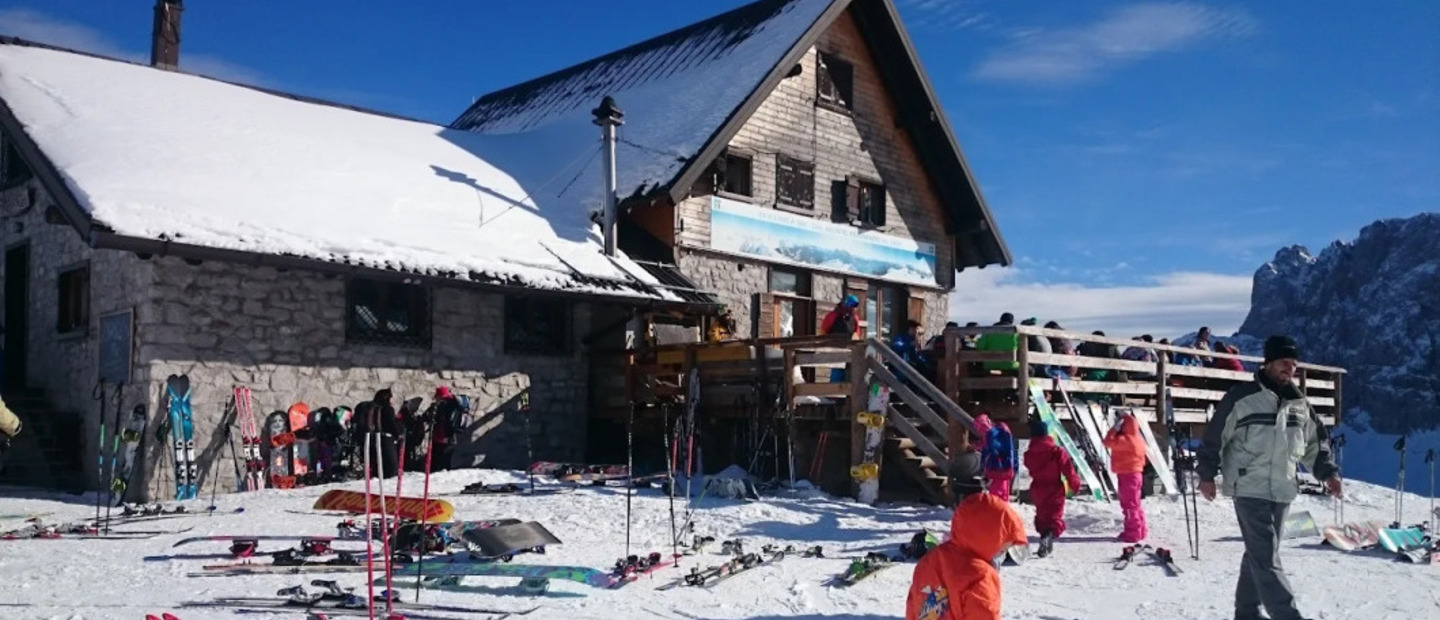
point(958, 580)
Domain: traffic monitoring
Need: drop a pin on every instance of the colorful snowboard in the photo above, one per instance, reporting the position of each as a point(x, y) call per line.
point(299, 414)
point(1042, 408)
point(1402, 540)
point(282, 444)
point(414, 508)
point(464, 565)
point(867, 472)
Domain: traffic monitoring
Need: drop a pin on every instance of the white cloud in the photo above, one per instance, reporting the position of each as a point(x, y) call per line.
point(948, 14)
point(1127, 35)
point(41, 28)
point(1168, 305)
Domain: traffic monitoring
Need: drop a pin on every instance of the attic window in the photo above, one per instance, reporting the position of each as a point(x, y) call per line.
point(864, 202)
point(387, 313)
point(13, 170)
point(735, 174)
point(72, 307)
point(834, 82)
point(794, 183)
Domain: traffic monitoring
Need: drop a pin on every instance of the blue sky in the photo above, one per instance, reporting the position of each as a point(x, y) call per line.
point(1142, 159)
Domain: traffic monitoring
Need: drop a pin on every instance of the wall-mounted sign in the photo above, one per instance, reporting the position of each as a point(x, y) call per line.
point(780, 237)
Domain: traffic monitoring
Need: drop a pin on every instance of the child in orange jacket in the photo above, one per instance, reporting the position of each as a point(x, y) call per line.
point(1127, 460)
point(957, 579)
point(1052, 478)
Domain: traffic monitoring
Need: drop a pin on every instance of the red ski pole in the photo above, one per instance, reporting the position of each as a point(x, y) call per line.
point(395, 526)
point(425, 508)
point(369, 528)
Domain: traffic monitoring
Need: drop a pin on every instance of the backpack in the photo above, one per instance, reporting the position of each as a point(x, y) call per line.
point(843, 324)
point(999, 452)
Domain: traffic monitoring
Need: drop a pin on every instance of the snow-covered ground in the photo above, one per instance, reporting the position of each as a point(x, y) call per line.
point(103, 579)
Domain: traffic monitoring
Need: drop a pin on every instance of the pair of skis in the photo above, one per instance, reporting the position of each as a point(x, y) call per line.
point(1162, 556)
point(243, 413)
point(334, 600)
point(180, 425)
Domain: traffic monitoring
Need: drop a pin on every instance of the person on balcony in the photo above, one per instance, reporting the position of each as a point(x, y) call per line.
point(1038, 344)
point(1000, 342)
point(842, 321)
point(1127, 460)
point(1062, 346)
point(1052, 478)
point(722, 328)
point(957, 579)
point(1226, 363)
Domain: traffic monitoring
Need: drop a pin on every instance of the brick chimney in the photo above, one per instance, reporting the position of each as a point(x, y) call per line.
point(165, 35)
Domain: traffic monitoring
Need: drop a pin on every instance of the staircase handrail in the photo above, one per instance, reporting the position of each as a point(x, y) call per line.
point(893, 359)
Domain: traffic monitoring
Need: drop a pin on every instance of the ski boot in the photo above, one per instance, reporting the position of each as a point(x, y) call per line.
point(243, 548)
point(1047, 545)
point(534, 586)
point(732, 547)
point(387, 596)
point(314, 547)
point(352, 601)
point(288, 557)
point(813, 552)
point(297, 595)
point(330, 589)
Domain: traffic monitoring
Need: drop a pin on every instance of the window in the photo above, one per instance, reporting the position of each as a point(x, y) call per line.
point(734, 174)
point(13, 170)
point(884, 309)
point(537, 326)
point(793, 310)
point(72, 312)
point(834, 82)
point(794, 182)
point(864, 203)
point(390, 313)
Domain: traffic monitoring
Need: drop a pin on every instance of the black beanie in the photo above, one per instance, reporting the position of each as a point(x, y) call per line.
point(967, 474)
point(1281, 347)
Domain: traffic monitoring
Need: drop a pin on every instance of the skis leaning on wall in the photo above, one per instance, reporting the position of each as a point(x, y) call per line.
point(182, 436)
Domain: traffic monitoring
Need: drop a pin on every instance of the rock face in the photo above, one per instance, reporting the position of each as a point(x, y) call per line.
point(1371, 306)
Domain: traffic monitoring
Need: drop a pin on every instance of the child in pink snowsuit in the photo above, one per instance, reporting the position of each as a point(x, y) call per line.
point(1127, 460)
point(997, 453)
point(1052, 473)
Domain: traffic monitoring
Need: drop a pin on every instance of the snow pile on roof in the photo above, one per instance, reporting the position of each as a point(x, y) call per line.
point(161, 155)
point(125, 579)
point(676, 92)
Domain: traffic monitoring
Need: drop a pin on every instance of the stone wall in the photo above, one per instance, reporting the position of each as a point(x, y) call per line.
point(283, 334)
point(65, 366)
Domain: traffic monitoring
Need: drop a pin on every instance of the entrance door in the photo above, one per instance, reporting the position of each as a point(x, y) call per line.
point(17, 301)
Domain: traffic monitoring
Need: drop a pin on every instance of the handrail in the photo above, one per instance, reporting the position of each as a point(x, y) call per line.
point(895, 361)
point(908, 396)
point(1056, 333)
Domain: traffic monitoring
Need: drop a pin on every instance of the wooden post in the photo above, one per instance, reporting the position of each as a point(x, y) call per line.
point(788, 382)
point(1022, 355)
point(1162, 379)
point(859, 393)
point(1339, 404)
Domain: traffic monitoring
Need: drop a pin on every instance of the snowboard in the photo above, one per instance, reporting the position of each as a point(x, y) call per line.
point(1082, 465)
point(409, 535)
point(134, 430)
point(1299, 525)
point(872, 420)
point(559, 470)
point(182, 436)
point(413, 508)
point(1354, 536)
point(507, 540)
point(299, 414)
point(1403, 539)
point(282, 443)
point(464, 565)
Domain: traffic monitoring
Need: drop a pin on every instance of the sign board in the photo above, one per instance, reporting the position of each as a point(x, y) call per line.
point(116, 342)
point(779, 237)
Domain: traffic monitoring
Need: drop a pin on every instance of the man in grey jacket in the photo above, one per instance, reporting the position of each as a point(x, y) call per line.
point(1260, 432)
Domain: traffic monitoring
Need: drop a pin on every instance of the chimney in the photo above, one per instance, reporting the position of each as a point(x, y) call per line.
point(608, 116)
point(165, 35)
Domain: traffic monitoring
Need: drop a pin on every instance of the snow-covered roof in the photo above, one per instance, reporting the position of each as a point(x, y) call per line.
point(159, 155)
point(685, 93)
point(676, 90)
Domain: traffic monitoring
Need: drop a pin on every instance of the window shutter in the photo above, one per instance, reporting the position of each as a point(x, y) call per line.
point(916, 311)
point(878, 218)
point(852, 199)
point(842, 75)
point(763, 325)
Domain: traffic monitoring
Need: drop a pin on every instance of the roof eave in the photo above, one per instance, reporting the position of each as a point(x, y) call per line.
point(158, 247)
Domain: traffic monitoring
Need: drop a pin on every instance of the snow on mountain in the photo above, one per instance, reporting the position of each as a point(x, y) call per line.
point(1371, 306)
point(107, 579)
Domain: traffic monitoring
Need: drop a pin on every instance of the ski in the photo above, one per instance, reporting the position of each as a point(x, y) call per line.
point(710, 577)
point(1164, 558)
point(860, 568)
point(130, 438)
point(1127, 555)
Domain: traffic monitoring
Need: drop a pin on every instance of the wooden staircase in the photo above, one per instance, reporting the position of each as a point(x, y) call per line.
point(917, 421)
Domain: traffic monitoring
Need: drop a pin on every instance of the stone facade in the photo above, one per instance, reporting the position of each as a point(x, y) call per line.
point(864, 141)
point(282, 333)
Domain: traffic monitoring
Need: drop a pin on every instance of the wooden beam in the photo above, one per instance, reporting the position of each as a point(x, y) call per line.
point(914, 434)
point(823, 390)
point(953, 410)
point(909, 396)
point(810, 358)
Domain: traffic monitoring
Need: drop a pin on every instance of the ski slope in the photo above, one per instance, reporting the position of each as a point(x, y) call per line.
point(104, 579)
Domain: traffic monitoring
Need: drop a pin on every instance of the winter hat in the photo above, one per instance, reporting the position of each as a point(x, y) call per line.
point(966, 473)
point(851, 301)
point(983, 424)
point(1038, 428)
point(443, 393)
point(1281, 347)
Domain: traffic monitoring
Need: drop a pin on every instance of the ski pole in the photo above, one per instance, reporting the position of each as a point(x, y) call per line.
point(1430, 518)
point(369, 525)
point(395, 527)
point(425, 504)
point(1400, 483)
point(670, 469)
point(629, 472)
point(99, 394)
point(115, 457)
point(529, 451)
